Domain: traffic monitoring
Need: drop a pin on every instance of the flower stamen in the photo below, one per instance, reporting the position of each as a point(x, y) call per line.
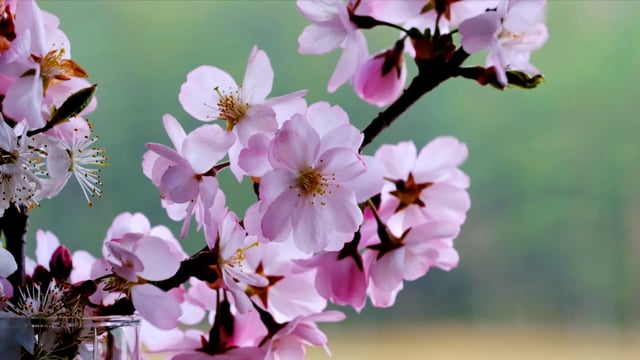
point(231, 108)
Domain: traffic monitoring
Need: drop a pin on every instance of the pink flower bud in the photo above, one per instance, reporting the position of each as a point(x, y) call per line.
point(381, 79)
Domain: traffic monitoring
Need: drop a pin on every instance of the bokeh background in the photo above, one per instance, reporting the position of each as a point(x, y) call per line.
point(550, 252)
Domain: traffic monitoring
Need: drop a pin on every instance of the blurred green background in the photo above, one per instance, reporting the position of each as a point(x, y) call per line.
point(552, 236)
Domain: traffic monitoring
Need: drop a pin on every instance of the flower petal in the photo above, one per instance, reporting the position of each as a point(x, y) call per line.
point(156, 306)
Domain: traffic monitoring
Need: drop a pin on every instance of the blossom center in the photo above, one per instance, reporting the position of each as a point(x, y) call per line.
point(506, 35)
point(408, 192)
point(53, 66)
point(311, 182)
point(231, 107)
point(238, 256)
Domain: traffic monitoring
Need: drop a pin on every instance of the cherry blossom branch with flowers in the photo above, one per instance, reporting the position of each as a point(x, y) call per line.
point(330, 224)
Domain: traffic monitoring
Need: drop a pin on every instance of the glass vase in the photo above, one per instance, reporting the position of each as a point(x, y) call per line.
point(70, 338)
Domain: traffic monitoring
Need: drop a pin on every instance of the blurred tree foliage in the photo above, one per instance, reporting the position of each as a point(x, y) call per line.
point(551, 235)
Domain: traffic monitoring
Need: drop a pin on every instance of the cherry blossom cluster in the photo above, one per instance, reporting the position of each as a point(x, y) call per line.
point(329, 224)
point(44, 137)
point(508, 29)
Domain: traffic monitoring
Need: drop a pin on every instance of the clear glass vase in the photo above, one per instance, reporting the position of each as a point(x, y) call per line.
point(69, 338)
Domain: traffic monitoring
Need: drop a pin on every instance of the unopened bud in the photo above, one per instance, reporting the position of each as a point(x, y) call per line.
point(74, 105)
point(61, 263)
point(41, 275)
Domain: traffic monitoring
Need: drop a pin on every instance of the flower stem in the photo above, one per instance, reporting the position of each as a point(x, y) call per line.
point(431, 73)
point(14, 226)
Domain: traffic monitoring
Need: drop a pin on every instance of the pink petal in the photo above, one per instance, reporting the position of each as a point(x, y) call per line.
point(288, 347)
point(197, 94)
point(274, 183)
point(480, 32)
point(159, 261)
point(370, 182)
point(126, 223)
point(258, 77)
point(156, 306)
point(276, 223)
point(342, 164)
point(444, 151)
point(345, 136)
point(388, 271)
point(296, 145)
point(167, 153)
point(179, 184)
point(46, 243)
point(82, 264)
point(353, 56)
point(287, 105)
point(319, 11)
point(23, 101)
point(324, 117)
point(254, 158)
point(174, 130)
point(31, 18)
point(341, 212)
point(205, 146)
point(258, 119)
point(398, 160)
point(309, 234)
point(320, 39)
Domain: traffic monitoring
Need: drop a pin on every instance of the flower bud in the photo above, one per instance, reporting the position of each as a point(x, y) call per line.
point(61, 263)
point(41, 275)
point(381, 79)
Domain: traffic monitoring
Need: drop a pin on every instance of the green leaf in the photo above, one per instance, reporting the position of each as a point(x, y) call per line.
point(74, 105)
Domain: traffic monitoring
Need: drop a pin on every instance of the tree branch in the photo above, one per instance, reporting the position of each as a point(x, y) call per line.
point(431, 73)
point(14, 226)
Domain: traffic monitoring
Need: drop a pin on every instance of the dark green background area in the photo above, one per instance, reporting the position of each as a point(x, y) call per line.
point(552, 234)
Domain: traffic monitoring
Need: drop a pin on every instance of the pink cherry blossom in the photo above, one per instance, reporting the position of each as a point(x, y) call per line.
point(70, 151)
point(330, 29)
point(309, 179)
point(138, 257)
point(290, 291)
point(232, 242)
point(38, 58)
point(407, 258)
point(211, 93)
point(339, 279)
point(290, 341)
point(510, 32)
point(426, 186)
point(18, 184)
point(184, 176)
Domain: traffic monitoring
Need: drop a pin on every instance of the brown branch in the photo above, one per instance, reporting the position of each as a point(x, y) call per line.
point(202, 265)
point(14, 226)
point(431, 73)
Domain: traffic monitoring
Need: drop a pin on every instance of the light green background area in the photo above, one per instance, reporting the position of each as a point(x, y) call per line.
point(552, 235)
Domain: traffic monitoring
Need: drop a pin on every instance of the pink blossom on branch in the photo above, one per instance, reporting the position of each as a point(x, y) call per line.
point(136, 254)
point(428, 186)
point(231, 242)
point(310, 179)
point(510, 33)
point(290, 341)
point(407, 257)
point(330, 29)
point(185, 176)
point(211, 93)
